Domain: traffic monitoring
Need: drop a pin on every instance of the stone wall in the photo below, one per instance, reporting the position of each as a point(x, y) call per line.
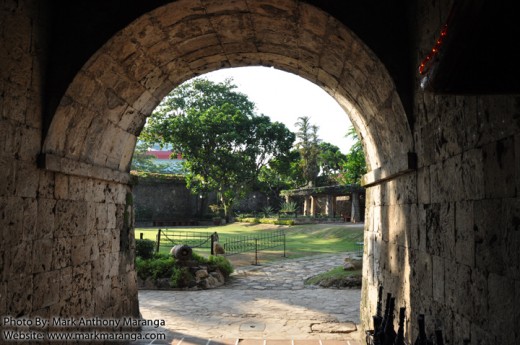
point(164, 200)
point(445, 239)
point(67, 242)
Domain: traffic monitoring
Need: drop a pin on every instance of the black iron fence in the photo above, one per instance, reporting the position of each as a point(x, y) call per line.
point(231, 245)
point(255, 243)
point(170, 238)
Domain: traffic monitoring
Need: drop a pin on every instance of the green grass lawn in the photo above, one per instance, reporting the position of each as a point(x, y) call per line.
point(302, 240)
point(335, 273)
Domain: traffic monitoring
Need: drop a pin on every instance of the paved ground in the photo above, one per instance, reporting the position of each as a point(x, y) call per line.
point(261, 302)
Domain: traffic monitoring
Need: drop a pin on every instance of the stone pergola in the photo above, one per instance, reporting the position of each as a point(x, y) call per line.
point(310, 195)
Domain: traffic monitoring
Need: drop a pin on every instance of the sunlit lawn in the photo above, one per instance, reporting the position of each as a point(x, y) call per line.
point(301, 240)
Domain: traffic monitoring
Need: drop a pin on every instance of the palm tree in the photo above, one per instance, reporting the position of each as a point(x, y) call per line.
point(308, 145)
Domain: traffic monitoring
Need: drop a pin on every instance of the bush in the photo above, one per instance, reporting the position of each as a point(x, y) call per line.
point(180, 277)
point(222, 264)
point(144, 248)
point(284, 222)
point(160, 266)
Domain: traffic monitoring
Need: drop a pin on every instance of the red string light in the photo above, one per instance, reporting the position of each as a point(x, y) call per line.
point(425, 64)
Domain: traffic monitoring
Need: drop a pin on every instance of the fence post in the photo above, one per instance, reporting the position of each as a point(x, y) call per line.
point(256, 251)
point(158, 240)
point(212, 243)
point(284, 245)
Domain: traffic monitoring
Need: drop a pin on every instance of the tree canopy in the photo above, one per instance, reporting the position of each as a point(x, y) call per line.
point(223, 141)
point(308, 146)
point(354, 166)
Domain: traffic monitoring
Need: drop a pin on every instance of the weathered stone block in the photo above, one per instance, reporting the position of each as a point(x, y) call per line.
point(26, 180)
point(501, 301)
point(82, 247)
point(112, 216)
point(30, 212)
point(46, 185)
point(70, 218)
point(472, 175)
point(464, 233)
point(61, 254)
point(114, 265)
point(19, 295)
point(29, 140)
point(499, 168)
point(101, 216)
point(510, 235)
point(115, 238)
point(446, 180)
point(42, 257)
point(101, 268)
point(3, 298)
point(7, 176)
point(61, 183)
point(77, 188)
point(517, 165)
point(81, 280)
point(19, 260)
point(423, 185)
point(489, 243)
point(422, 275)
point(438, 278)
point(462, 327)
point(101, 296)
point(482, 336)
point(478, 297)
point(45, 218)
point(498, 116)
point(45, 291)
point(11, 220)
point(419, 235)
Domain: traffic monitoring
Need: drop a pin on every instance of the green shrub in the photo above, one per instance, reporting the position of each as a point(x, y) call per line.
point(289, 207)
point(250, 220)
point(161, 266)
point(222, 264)
point(284, 222)
point(144, 248)
point(180, 277)
point(267, 210)
point(199, 258)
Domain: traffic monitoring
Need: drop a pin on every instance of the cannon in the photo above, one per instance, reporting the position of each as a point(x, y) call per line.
point(181, 252)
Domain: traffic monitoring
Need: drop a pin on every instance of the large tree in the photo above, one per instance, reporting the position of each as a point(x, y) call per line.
point(355, 165)
point(308, 145)
point(224, 143)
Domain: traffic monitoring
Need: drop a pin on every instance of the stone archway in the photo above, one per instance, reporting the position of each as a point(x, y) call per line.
point(94, 130)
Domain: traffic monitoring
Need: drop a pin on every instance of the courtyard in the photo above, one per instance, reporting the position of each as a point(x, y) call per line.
point(268, 302)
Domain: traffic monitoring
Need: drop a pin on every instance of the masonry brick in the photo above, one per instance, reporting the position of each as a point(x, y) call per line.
point(501, 308)
point(499, 174)
point(43, 254)
point(472, 175)
point(19, 295)
point(488, 240)
point(45, 292)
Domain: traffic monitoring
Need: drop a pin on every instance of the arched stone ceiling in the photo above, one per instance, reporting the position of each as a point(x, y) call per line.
point(106, 105)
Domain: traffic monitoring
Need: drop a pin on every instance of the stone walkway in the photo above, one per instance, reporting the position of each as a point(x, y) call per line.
point(267, 302)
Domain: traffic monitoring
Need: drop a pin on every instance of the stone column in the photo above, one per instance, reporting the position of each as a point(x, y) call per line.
point(306, 206)
point(313, 205)
point(355, 215)
point(329, 206)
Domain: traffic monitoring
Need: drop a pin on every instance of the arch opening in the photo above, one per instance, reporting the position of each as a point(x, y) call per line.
point(94, 130)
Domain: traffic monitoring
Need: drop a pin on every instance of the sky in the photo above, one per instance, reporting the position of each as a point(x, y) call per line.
point(285, 96)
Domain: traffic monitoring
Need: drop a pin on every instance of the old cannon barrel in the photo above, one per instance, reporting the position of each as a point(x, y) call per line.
point(181, 252)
